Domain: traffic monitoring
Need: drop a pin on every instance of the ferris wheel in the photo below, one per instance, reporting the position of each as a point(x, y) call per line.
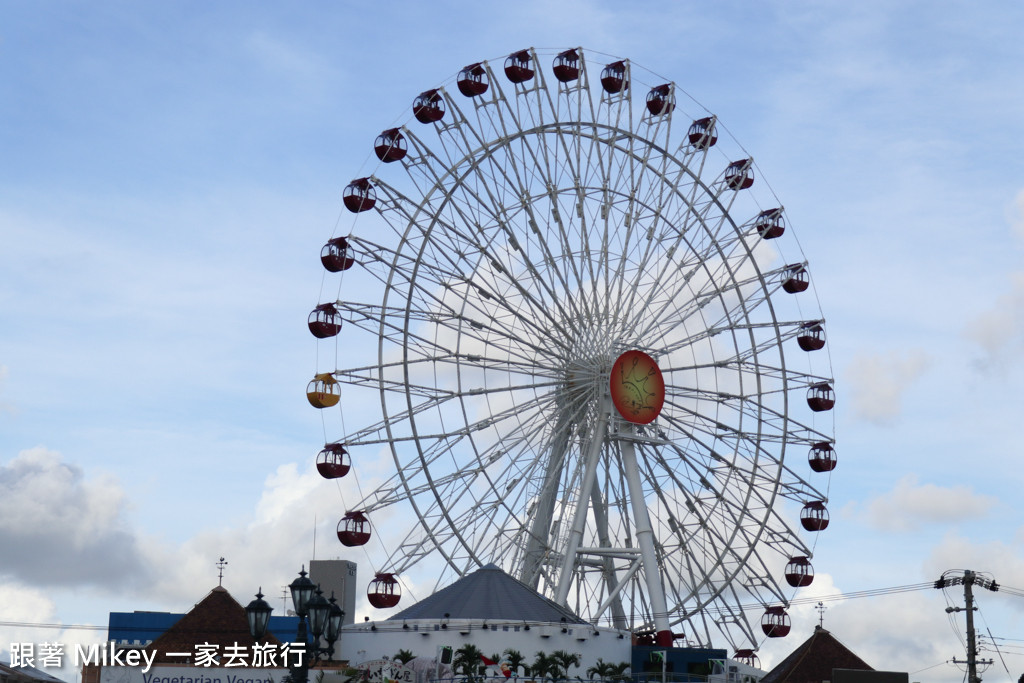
point(587, 342)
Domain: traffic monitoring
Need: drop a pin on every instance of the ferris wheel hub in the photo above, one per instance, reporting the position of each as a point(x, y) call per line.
point(637, 387)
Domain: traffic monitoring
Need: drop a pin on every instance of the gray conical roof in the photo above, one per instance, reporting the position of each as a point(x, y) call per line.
point(489, 593)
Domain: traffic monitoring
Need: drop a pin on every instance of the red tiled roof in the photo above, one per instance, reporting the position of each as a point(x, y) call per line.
point(217, 619)
point(814, 661)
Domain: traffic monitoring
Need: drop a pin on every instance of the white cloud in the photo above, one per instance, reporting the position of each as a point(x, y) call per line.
point(1000, 559)
point(911, 505)
point(59, 528)
point(877, 383)
point(898, 632)
point(31, 618)
point(64, 530)
point(289, 527)
point(999, 331)
point(901, 632)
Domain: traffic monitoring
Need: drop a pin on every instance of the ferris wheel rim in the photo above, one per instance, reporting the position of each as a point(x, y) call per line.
point(476, 158)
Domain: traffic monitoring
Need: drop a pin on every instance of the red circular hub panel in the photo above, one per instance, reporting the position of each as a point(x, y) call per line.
point(637, 387)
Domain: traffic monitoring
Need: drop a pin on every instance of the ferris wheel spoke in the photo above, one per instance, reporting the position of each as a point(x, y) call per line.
point(461, 545)
point(746, 294)
point(372, 376)
point(734, 521)
point(443, 443)
point(450, 487)
point(799, 490)
point(757, 443)
point(784, 538)
point(517, 353)
point(378, 432)
point(538, 306)
point(451, 231)
point(636, 210)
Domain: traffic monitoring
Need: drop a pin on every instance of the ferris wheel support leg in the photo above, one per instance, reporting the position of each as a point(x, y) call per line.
point(610, 575)
point(579, 520)
point(537, 545)
point(613, 597)
point(645, 539)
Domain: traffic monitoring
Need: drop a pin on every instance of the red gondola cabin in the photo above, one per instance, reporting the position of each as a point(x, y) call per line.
point(661, 100)
point(822, 457)
point(795, 278)
point(390, 146)
point(567, 66)
point(428, 107)
point(775, 622)
point(820, 397)
point(740, 174)
point(472, 80)
point(748, 657)
point(613, 78)
point(324, 321)
point(333, 461)
point(359, 195)
point(799, 572)
point(337, 255)
point(770, 224)
point(354, 529)
point(814, 516)
point(384, 591)
point(519, 67)
point(811, 336)
point(702, 133)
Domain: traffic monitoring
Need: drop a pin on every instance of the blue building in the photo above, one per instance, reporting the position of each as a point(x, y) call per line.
point(142, 628)
point(680, 663)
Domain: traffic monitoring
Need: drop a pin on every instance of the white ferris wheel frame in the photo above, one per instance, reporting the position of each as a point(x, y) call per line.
point(488, 261)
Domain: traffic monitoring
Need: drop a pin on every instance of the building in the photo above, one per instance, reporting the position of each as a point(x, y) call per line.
point(823, 659)
point(493, 612)
point(654, 663)
point(337, 577)
point(209, 644)
point(25, 674)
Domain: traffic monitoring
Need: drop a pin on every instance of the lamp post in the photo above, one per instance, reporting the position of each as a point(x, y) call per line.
point(324, 616)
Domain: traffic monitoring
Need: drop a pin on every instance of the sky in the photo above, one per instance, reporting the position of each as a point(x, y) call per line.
point(169, 172)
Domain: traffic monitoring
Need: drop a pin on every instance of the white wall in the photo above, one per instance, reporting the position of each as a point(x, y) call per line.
point(361, 643)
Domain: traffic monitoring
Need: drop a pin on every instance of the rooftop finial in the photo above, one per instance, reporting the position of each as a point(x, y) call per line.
point(821, 614)
point(221, 563)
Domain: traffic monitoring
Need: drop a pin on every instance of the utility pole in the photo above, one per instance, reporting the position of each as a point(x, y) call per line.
point(969, 579)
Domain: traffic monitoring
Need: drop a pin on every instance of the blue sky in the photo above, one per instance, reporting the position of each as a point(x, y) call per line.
point(170, 171)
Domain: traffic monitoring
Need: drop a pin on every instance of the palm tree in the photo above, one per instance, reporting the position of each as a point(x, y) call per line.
point(515, 661)
point(562, 661)
point(403, 656)
point(618, 672)
point(542, 666)
point(601, 669)
point(467, 661)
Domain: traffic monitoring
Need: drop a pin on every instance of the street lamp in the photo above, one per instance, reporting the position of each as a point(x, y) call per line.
point(257, 613)
point(325, 619)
